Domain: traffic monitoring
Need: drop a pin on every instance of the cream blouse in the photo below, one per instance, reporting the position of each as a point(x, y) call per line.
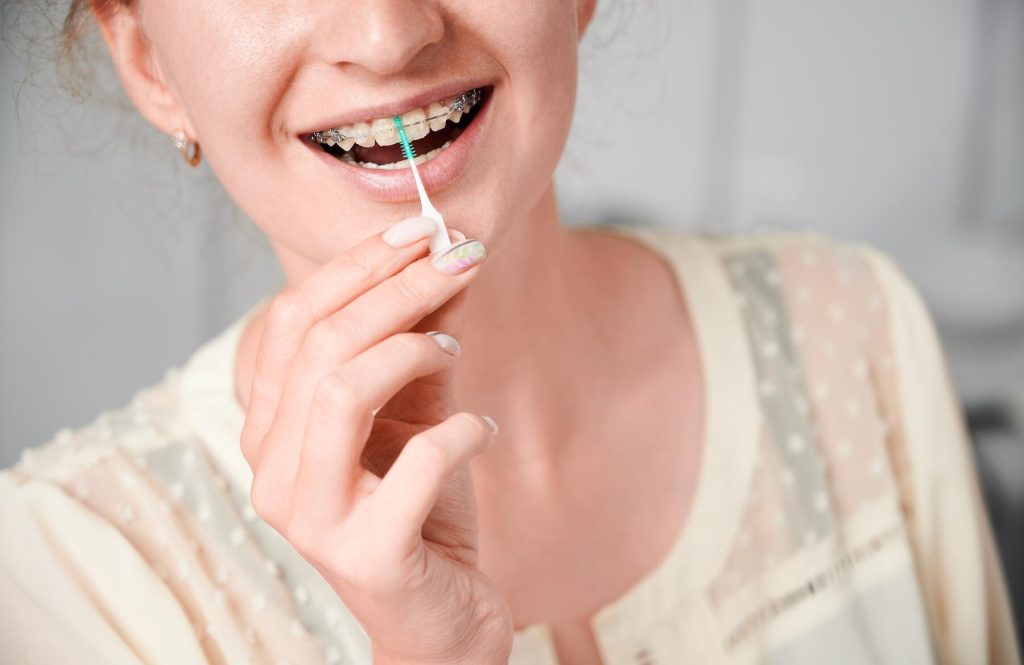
point(837, 517)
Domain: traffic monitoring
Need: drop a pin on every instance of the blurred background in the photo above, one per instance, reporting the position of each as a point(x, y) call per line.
point(897, 124)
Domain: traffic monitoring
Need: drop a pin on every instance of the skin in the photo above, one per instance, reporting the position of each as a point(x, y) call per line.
point(433, 561)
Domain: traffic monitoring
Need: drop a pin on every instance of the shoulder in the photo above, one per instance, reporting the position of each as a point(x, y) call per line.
point(797, 253)
point(165, 437)
point(811, 250)
point(841, 293)
point(821, 275)
point(152, 419)
point(86, 542)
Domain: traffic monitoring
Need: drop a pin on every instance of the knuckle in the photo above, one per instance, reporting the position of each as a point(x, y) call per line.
point(262, 499)
point(412, 346)
point(324, 341)
point(334, 393)
point(249, 442)
point(289, 309)
point(263, 390)
point(363, 267)
point(409, 289)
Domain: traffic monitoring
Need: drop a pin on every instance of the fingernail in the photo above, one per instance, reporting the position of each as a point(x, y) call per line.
point(408, 231)
point(460, 256)
point(490, 423)
point(446, 342)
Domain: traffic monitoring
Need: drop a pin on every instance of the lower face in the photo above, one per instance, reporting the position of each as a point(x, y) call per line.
point(292, 102)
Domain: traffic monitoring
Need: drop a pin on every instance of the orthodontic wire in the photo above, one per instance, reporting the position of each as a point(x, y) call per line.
point(458, 104)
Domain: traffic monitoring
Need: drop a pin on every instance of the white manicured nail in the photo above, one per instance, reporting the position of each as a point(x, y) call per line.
point(446, 342)
point(490, 423)
point(409, 231)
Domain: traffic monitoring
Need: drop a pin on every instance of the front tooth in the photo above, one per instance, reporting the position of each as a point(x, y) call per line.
point(437, 115)
point(455, 116)
point(362, 131)
point(384, 131)
point(415, 127)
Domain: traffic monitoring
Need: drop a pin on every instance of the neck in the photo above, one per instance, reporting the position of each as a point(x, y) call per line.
point(527, 342)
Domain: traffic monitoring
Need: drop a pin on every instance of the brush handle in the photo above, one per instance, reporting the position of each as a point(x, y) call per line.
point(440, 241)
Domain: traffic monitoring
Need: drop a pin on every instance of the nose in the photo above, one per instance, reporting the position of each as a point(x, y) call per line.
point(381, 36)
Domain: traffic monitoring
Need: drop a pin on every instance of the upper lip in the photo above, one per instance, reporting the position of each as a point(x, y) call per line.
point(391, 109)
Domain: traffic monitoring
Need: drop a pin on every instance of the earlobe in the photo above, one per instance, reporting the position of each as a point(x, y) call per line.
point(140, 75)
point(584, 14)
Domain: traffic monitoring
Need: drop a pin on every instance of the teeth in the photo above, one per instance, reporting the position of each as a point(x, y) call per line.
point(404, 164)
point(438, 117)
point(362, 130)
point(384, 132)
point(417, 123)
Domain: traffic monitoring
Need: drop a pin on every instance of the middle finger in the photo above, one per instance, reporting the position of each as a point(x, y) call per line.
point(294, 311)
point(392, 306)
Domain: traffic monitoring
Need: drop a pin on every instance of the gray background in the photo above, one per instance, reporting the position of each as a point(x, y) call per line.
point(900, 124)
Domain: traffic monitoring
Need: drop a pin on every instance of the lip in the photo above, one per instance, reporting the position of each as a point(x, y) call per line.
point(393, 186)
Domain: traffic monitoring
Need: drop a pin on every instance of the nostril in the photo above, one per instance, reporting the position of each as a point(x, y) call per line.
point(394, 33)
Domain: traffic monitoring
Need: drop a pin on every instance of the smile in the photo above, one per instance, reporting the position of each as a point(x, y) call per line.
point(375, 144)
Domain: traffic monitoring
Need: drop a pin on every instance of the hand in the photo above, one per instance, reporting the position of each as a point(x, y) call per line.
point(381, 505)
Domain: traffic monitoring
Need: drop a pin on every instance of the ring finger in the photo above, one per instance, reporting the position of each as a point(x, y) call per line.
point(340, 420)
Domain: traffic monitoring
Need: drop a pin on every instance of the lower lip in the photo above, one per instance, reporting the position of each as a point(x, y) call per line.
point(398, 185)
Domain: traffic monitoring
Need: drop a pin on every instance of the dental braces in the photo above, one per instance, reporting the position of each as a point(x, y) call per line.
point(461, 103)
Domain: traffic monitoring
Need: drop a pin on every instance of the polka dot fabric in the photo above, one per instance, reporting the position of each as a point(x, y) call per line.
point(836, 517)
point(169, 507)
point(817, 327)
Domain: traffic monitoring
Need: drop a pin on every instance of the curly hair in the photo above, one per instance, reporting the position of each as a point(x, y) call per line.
point(78, 20)
point(53, 37)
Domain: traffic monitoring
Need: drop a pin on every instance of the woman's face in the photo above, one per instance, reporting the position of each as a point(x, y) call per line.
point(253, 80)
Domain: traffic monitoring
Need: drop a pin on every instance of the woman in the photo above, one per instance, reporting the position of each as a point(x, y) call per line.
point(711, 448)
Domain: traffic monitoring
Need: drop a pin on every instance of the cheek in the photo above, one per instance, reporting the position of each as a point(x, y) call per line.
point(231, 91)
point(228, 60)
point(536, 44)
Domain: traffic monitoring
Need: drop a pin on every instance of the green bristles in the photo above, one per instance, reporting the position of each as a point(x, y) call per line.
point(407, 148)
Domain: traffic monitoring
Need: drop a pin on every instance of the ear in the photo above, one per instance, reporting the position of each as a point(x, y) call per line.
point(584, 14)
point(140, 74)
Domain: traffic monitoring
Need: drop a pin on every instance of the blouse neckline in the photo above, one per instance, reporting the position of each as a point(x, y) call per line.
point(730, 433)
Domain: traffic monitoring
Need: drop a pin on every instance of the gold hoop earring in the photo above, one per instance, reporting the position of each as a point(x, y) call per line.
point(189, 148)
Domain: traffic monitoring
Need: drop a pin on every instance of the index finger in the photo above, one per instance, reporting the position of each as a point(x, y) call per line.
point(294, 310)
